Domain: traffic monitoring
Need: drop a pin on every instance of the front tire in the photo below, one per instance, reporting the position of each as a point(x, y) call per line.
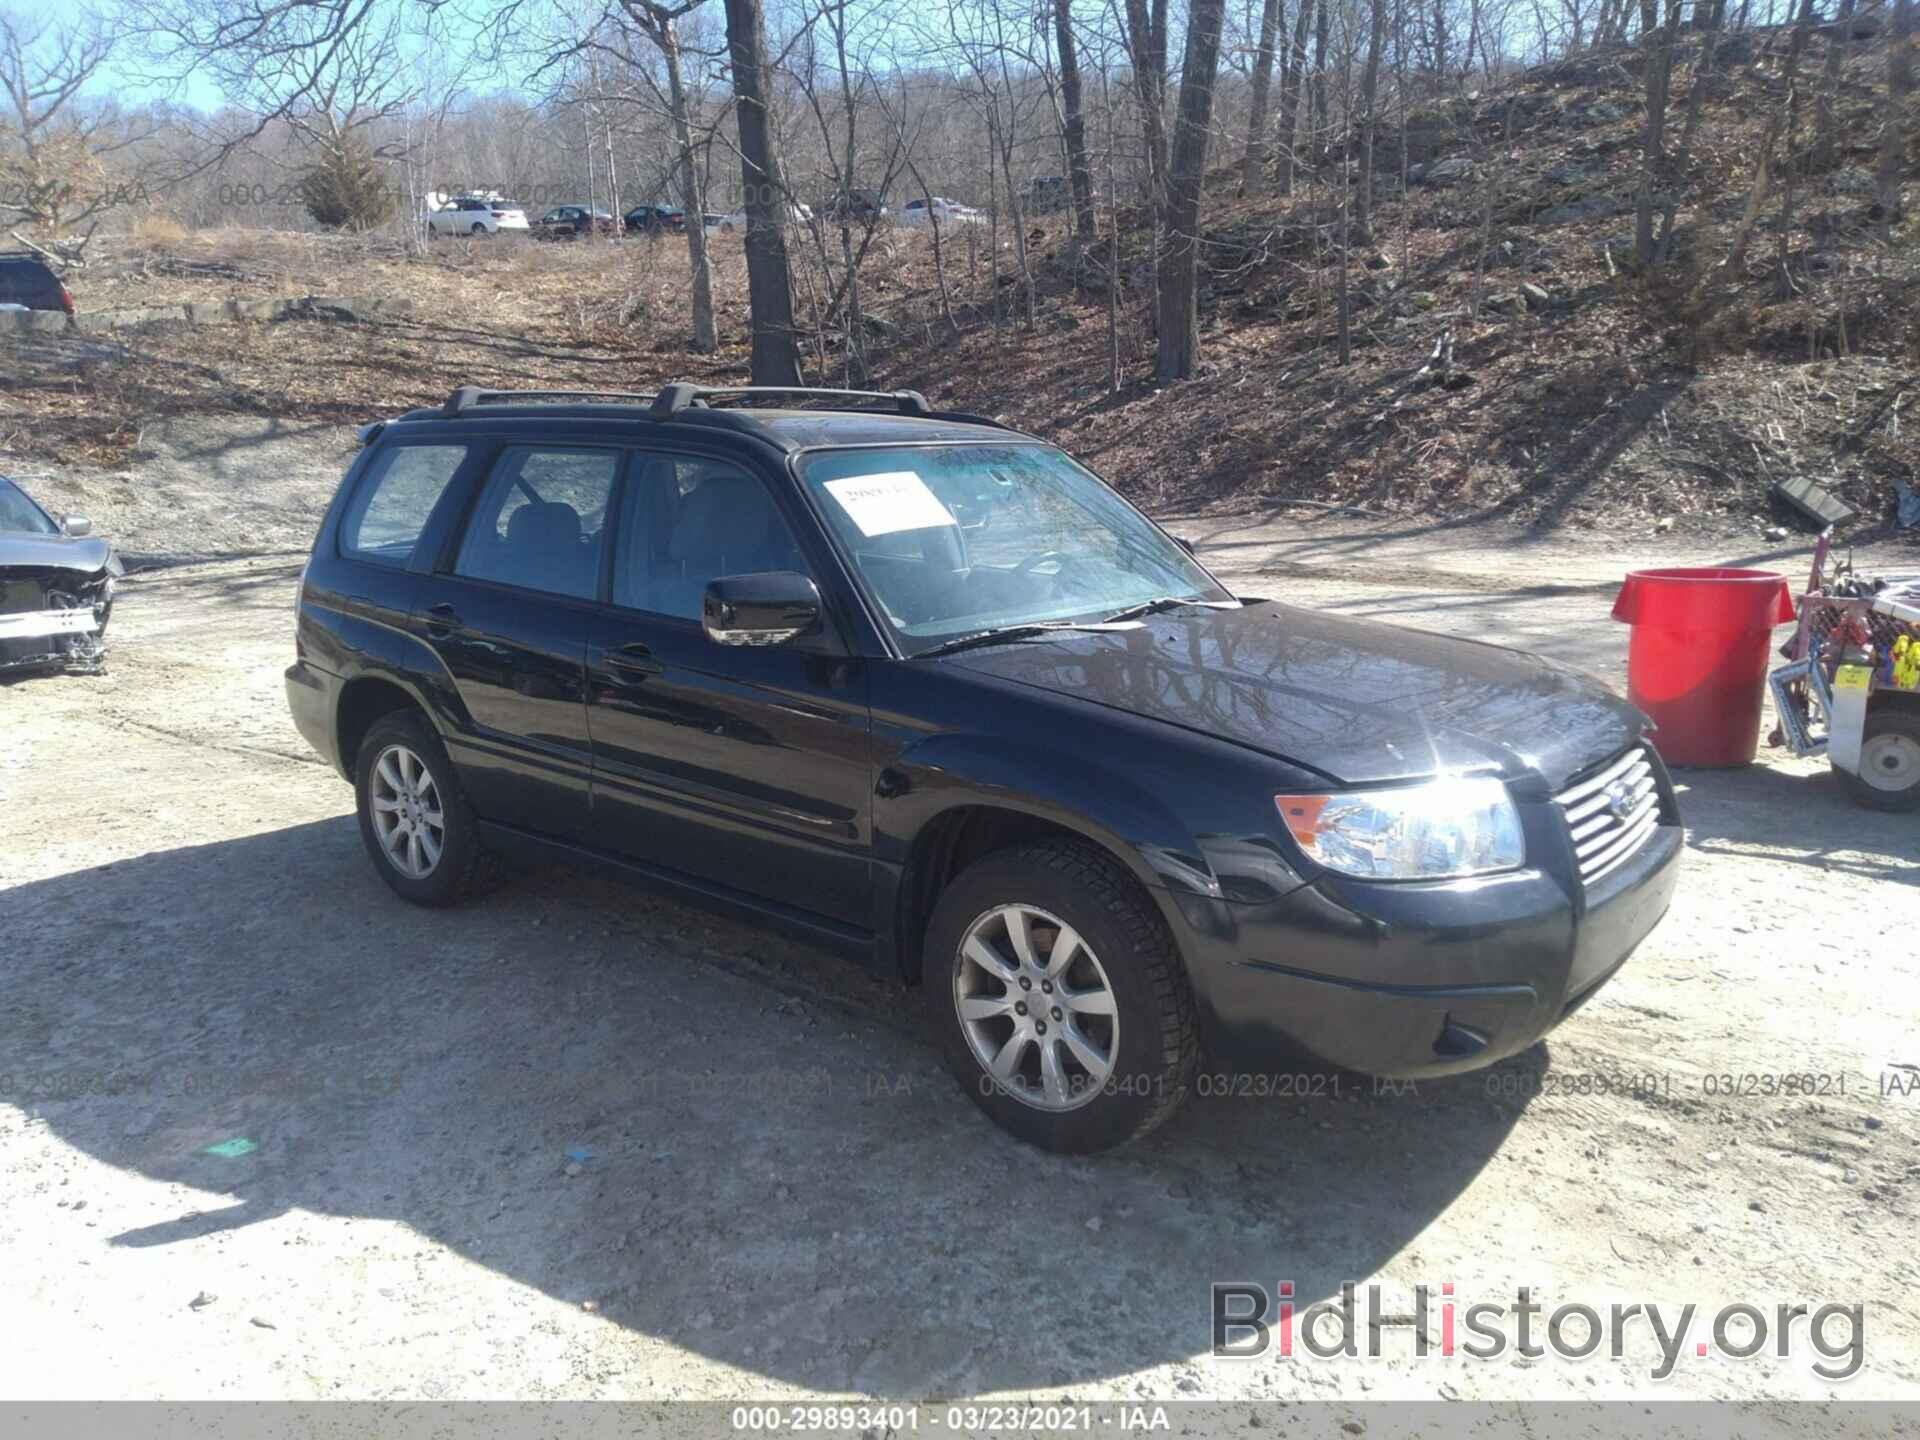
point(414, 817)
point(1058, 999)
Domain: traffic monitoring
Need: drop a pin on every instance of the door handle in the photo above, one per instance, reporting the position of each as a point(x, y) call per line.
point(442, 619)
point(635, 662)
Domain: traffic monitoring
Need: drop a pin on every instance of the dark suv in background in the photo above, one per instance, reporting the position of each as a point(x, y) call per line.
point(27, 281)
point(923, 688)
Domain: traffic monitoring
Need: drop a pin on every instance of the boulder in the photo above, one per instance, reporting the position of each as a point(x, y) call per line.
point(1447, 172)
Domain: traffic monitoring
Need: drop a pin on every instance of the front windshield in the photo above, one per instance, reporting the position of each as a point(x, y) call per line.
point(953, 540)
point(17, 512)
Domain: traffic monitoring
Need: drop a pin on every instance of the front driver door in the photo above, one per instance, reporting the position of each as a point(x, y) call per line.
point(744, 768)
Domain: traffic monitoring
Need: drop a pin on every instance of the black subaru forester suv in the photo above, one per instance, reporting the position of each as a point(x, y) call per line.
point(925, 689)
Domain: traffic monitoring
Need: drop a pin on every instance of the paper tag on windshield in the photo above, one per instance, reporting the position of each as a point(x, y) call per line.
point(893, 500)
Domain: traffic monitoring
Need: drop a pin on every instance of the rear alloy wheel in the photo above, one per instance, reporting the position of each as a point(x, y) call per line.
point(1889, 775)
point(414, 818)
point(479, 229)
point(1058, 999)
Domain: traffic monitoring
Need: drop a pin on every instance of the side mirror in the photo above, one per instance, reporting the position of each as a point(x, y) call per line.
point(77, 525)
point(770, 608)
point(1184, 543)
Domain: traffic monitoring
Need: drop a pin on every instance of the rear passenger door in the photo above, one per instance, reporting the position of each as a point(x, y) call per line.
point(745, 767)
point(508, 618)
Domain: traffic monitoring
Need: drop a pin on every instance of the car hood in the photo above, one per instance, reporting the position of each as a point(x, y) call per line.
point(1358, 701)
point(82, 553)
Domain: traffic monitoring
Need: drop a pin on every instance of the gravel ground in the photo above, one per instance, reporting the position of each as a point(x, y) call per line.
point(267, 1132)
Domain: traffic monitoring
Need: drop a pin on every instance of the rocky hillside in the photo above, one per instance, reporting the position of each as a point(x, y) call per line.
point(1581, 390)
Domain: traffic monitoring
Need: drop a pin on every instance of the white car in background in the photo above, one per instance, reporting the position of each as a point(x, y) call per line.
point(948, 212)
point(735, 222)
point(476, 215)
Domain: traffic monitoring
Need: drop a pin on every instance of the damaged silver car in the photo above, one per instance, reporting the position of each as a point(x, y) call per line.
point(56, 587)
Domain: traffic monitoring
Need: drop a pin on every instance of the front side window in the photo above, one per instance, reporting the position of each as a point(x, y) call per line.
point(394, 500)
point(686, 521)
point(957, 539)
point(540, 520)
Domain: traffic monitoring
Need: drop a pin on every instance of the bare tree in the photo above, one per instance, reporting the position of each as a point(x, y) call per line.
point(776, 357)
point(660, 24)
point(1178, 302)
point(1146, 34)
point(1893, 135)
point(1826, 120)
point(1253, 168)
point(1073, 122)
point(1369, 91)
point(1292, 77)
point(1653, 135)
point(51, 171)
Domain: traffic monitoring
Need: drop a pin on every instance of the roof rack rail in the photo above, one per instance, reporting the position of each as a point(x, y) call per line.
point(469, 396)
point(679, 396)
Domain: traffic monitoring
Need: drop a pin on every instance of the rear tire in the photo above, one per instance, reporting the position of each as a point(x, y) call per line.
point(414, 818)
point(1889, 777)
point(1117, 1015)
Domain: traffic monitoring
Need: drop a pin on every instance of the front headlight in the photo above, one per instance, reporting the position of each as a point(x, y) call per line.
point(1441, 830)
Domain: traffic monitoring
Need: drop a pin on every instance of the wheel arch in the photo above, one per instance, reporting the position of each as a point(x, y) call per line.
point(363, 700)
point(941, 823)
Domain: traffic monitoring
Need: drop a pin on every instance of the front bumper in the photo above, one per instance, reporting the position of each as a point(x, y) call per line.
point(58, 636)
point(1418, 980)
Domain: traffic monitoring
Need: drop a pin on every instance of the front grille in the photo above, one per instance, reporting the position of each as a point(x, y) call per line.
point(1611, 813)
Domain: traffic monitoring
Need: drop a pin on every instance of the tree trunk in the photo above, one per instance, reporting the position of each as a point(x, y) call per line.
point(1074, 123)
point(1322, 30)
point(1736, 262)
point(1653, 136)
point(1793, 165)
point(1893, 138)
point(1253, 169)
point(1697, 89)
point(1369, 89)
point(1179, 325)
point(706, 338)
point(776, 359)
point(1292, 77)
point(1147, 50)
point(1826, 121)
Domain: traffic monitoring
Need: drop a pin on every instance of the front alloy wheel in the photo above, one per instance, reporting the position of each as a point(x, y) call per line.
point(1036, 1007)
point(1056, 994)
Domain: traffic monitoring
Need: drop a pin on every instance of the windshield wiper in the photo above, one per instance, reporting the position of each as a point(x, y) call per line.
point(1007, 634)
point(1167, 602)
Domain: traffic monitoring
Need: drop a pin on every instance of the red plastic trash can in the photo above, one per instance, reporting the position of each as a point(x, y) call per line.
point(1698, 657)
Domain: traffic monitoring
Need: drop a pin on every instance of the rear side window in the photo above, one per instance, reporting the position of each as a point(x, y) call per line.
point(23, 282)
point(540, 521)
point(396, 496)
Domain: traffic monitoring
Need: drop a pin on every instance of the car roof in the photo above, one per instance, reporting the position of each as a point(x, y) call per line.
point(787, 429)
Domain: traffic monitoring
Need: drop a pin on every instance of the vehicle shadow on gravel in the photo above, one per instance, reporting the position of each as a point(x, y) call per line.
point(1803, 819)
point(719, 1138)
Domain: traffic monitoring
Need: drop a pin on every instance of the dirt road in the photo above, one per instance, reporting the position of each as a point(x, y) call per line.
point(268, 1132)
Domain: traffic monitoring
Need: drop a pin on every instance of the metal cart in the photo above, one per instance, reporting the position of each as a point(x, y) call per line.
point(1850, 689)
